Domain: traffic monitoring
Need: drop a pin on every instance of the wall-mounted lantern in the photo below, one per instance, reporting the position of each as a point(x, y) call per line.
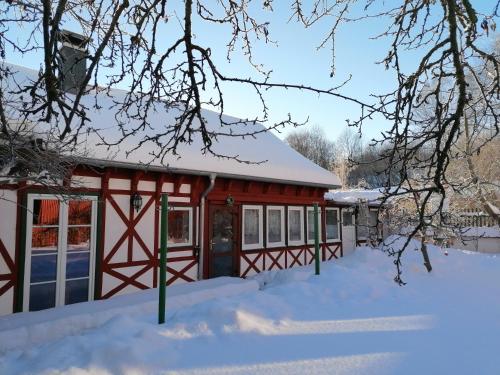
point(136, 202)
point(229, 201)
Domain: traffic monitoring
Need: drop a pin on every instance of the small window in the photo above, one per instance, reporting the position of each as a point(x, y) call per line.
point(332, 224)
point(310, 224)
point(375, 228)
point(347, 218)
point(275, 226)
point(180, 227)
point(295, 226)
point(252, 227)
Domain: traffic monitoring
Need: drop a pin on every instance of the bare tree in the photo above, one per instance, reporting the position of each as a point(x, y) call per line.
point(313, 144)
point(348, 150)
point(125, 43)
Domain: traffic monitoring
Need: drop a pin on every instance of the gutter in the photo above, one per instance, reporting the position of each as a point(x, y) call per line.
point(201, 228)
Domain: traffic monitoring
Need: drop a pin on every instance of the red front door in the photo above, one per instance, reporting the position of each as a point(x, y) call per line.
point(223, 241)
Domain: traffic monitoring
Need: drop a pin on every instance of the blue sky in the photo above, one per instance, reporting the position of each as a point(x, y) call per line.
point(295, 59)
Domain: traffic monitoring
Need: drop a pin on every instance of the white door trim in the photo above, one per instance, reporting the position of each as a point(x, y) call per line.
point(61, 245)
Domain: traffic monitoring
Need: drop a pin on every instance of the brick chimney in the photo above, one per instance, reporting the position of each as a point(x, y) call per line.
point(73, 54)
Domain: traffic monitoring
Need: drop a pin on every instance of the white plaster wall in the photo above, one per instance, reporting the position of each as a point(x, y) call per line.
point(119, 184)
point(281, 260)
point(115, 227)
point(8, 212)
point(6, 301)
point(185, 189)
point(145, 228)
point(146, 186)
point(179, 199)
point(167, 187)
point(244, 264)
point(86, 182)
point(290, 259)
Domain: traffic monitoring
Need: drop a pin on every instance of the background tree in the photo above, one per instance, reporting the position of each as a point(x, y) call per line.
point(312, 143)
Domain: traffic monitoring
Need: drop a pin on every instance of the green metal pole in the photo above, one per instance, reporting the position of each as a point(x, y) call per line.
point(316, 238)
point(163, 257)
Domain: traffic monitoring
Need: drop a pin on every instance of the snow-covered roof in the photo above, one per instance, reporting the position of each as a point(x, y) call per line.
point(280, 162)
point(487, 232)
point(354, 195)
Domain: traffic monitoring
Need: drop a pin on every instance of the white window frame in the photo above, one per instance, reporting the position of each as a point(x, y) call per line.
point(339, 228)
point(311, 209)
point(190, 226)
point(301, 241)
point(62, 241)
point(260, 244)
point(282, 213)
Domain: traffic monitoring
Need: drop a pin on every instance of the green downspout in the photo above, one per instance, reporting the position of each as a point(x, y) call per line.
point(316, 238)
point(163, 258)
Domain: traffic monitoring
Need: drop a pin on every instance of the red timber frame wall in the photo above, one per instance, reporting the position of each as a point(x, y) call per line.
point(127, 248)
point(270, 194)
point(127, 256)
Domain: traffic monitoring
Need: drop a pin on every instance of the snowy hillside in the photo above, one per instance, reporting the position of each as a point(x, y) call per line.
point(353, 319)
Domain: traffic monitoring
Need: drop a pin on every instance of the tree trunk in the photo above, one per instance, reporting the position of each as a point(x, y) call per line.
point(425, 254)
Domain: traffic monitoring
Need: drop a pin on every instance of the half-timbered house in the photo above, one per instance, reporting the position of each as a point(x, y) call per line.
point(99, 236)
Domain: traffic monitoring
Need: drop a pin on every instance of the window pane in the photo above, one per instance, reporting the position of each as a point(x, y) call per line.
point(178, 226)
point(222, 266)
point(45, 212)
point(77, 265)
point(274, 225)
point(79, 212)
point(251, 230)
point(294, 225)
point(310, 225)
point(347, 218)
point(42, 296)
point(44, 240)
point(374, 230)
point(43, 268)
point(332, 229)
point(76, 291)
point(79, 238)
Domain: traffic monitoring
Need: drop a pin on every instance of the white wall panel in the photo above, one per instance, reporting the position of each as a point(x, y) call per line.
point(119, 184)
point(6, 301)
point(86, 182)
point(185, 189)
point(168, 187)
point(146, 185)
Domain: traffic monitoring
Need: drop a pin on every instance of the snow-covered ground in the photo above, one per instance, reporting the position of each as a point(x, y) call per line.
point(353, 319)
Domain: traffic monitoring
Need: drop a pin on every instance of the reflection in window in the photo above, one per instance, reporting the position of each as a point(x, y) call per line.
point(310, 224)
point(275, 225)
point(78, 238)
point(179, 226)
point(332, 224)
point(44, 239)
point(251, 230)
point(45, 212)
point(295, 226)
point(79, 212)
point(347, 218)
point(252, 227)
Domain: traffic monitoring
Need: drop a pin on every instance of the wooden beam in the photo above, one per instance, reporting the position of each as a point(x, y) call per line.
point(246, 186)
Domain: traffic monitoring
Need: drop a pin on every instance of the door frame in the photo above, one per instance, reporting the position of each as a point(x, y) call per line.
point(344, 236)
point(236, 213)
point(62, 241)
